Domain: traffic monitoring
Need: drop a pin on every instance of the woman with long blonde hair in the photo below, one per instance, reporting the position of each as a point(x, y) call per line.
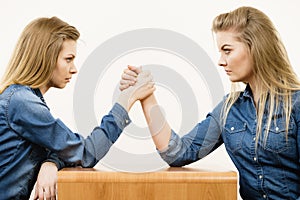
point(259, 124)
point(29, 135)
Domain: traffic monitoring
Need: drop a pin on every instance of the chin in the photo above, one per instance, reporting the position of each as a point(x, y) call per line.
point(60, 86)
point(234, 80)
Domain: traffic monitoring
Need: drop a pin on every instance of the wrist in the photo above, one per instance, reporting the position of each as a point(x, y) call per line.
point(49, 164)
point(125, 101)
point(150, 100)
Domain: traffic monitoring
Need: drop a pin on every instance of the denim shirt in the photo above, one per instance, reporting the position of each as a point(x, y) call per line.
point(29, 134)
point(269, 171)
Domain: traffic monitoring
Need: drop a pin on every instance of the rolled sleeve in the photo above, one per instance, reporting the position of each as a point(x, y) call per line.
point(120, 115)
point(204, 138)
point(173, 148)
point(52, 157)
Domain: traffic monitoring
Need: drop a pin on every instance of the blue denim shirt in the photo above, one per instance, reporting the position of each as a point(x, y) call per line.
point(272, 171)
point(29, 134)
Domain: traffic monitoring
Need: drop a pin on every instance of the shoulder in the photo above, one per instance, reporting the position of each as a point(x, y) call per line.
point(23, 103)
point(296, 93)
point(296, 98)
point(21, 97)
point(15, 88)
point(16, 92)
point(19, 93)
point(296, 104)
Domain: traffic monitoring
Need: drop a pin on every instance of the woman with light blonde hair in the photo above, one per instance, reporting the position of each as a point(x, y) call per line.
point(259, 123)
point(30, 137)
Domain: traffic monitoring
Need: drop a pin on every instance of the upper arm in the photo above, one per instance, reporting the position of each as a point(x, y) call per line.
point(31, 119)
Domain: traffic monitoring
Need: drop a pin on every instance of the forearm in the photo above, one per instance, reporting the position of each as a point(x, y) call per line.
point(158, 125)
point(98, 143)
point(74, 150)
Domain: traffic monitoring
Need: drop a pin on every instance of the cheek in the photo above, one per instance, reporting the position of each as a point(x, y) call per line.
point(60, 69)
point(56, 76)
point(236, 61)
point(243, 62)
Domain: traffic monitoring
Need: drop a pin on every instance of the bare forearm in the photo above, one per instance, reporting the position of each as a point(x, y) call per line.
point(158, 125)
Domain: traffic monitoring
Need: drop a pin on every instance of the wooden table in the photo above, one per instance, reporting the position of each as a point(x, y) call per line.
point(167, 184)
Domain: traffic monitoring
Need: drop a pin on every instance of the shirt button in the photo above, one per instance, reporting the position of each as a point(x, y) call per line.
point(260, 176)
point(254, 138)
point(277, 129)
point(126, 121)
point(264, 196)
point(232, 128)
point(254, 158)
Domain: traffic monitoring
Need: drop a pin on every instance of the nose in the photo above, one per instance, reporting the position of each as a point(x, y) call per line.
point(222, 62)
point(73, 69)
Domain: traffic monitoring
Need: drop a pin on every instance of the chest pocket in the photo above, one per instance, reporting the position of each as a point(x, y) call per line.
point(277, 141)
point(234, 133)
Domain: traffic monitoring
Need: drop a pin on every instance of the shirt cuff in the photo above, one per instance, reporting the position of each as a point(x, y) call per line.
point(120, 115)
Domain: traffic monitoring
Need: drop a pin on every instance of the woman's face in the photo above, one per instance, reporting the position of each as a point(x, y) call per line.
point(65, 66)
point(235, 57)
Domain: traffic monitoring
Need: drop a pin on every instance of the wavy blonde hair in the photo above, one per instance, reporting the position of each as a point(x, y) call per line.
point(36, 52)
point(272, 68)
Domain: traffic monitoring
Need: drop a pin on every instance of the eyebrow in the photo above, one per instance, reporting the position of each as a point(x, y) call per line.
point(225, 45)
point(70, 54)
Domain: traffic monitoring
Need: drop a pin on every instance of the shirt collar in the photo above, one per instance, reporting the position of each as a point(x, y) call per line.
point(39, 94)
point(247, 92)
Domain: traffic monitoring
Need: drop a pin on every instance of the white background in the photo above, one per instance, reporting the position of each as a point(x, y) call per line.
point(100, 20)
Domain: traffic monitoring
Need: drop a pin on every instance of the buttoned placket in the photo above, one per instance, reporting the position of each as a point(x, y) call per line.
point(259, 169)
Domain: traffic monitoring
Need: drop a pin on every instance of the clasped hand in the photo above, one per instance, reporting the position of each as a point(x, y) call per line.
point(135, 85)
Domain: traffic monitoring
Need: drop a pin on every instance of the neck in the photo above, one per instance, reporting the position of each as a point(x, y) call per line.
point(43, 89)
point(256, 91)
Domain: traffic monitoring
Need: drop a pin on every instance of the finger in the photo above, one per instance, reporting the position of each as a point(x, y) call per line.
point(47, 194)
point(53, 192)
point(135, 69)
point(143, 74)
point(147, 90)
point(146, 86)
point(36, 192)
point(126, 82)
point(150, 85)
point(128, 77)
point(145, 79)
point(130, 72)
point(123, 87)
point(40, 193)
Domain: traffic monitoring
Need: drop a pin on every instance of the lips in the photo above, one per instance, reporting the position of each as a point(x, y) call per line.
point(228, 71)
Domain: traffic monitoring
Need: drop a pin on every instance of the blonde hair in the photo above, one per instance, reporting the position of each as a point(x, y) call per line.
point(36, 52)
point(271, 65)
